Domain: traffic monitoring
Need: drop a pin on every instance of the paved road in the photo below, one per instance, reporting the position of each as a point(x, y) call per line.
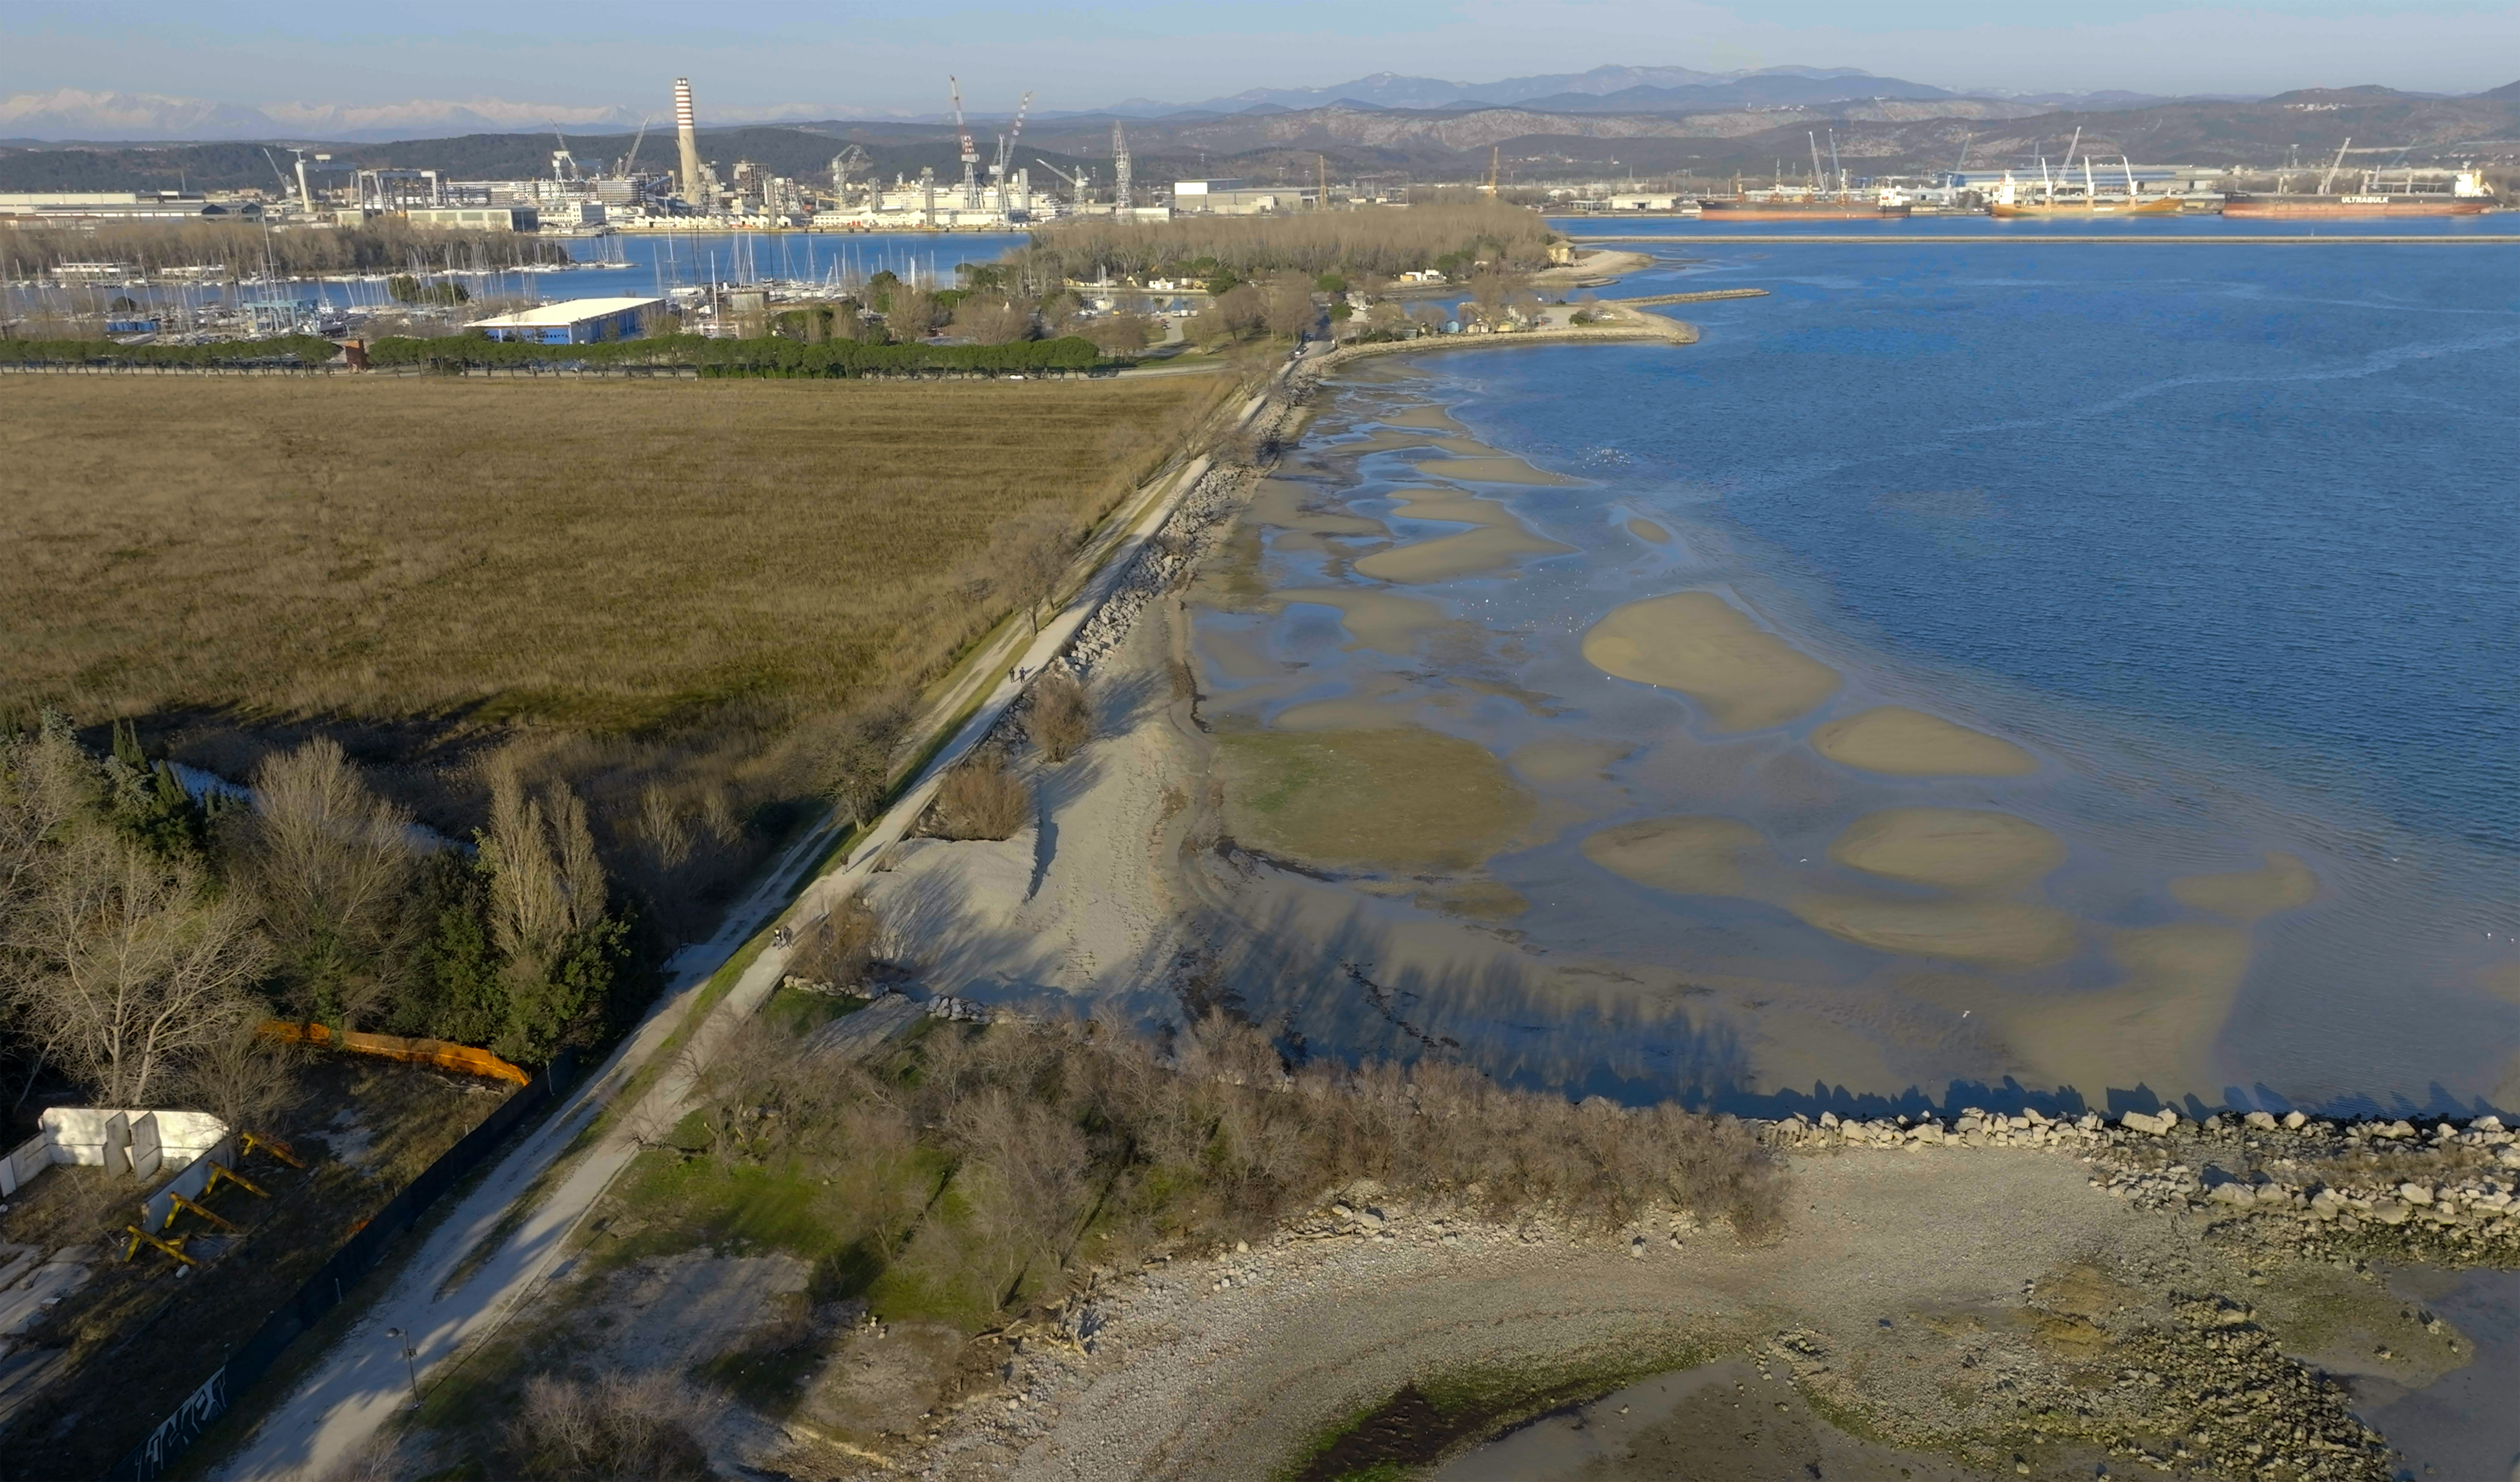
point(357, 1387)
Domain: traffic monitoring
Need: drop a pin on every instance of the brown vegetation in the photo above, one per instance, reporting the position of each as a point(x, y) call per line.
point(697, 602)
point(1016, 1155)
point(1062, 715)
point(1368, 240)
point(611, 1428)
point(982, 799)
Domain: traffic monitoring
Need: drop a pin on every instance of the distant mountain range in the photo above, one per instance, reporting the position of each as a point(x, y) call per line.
point(70, 114)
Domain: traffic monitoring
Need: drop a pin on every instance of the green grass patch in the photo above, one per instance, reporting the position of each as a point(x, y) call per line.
point(800, 1013)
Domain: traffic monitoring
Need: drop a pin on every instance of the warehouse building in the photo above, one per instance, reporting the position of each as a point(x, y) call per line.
point(575, 321)
point(479, 218)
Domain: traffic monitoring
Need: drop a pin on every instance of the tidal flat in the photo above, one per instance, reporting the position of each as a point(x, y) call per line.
point(1756, 858)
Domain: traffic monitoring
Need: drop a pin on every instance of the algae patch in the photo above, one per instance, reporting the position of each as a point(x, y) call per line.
point(1404, 798)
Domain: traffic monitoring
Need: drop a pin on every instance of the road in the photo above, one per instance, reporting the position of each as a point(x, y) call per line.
point(449, 1300)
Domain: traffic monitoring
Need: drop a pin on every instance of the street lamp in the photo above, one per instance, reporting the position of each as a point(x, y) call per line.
point(402, 1340)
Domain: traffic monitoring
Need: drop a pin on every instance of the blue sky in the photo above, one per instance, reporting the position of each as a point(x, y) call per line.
point(771, 52)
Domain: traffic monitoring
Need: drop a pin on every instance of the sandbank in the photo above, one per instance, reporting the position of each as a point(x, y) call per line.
point(1382, 621)
point(1645, 529)
point(1425, 416)
point(1552, 762)
point(1897, 741)
point(1480, 900)
point(1290, 505)
point(1996, 933)
point(1747, 678)
point(1956, 848)
point(1452, 506)
point(1500, 469)
point(1491, 548)
point(1687, 856)
point(2283, 882)
point(1398, 799)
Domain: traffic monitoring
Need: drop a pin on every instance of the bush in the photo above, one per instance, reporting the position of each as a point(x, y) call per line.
point(982, 799)
point(839, 948)
point(1062, 715)
point(610, 1429)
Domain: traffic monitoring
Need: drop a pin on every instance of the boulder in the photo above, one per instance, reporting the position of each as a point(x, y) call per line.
point(2414, 1193)
point(2388, 1211)
point(2262, 1121)
point(2294, 1121)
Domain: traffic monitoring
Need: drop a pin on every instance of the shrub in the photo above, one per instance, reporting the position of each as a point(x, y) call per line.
point(1062, 715)
point(616, 1426)
point(982, 799)
point(839, 948)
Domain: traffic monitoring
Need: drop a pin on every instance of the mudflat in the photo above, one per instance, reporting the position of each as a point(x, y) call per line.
point(1696, 643)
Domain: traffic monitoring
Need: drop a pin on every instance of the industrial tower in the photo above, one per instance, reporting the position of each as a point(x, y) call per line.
point(684, 125)
point(1120, 173)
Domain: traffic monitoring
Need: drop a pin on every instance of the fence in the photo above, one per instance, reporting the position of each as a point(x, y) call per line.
point(324, 1290)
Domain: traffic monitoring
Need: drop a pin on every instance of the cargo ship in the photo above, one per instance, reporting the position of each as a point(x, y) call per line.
point(2013, 202)
point(1843, 205)
point(2467, 194)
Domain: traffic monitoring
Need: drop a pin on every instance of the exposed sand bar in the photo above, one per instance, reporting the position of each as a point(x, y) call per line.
point(1956, 848)
point(1645, 529)
point(1492, 549)
point(1551, 762)
point(2283, 882)
point(1696, 643)
point(1687, 856)
point(1426, 417)
point(1994, 933)
point(1897, 741)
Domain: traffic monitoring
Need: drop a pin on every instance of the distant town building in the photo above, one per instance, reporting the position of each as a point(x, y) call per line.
point(479, 218)
point(574, 321)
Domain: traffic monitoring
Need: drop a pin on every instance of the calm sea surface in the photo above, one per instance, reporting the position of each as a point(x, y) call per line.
point(2224, 532)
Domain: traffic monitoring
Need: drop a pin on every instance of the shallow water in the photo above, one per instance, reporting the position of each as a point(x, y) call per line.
point(2218, 537)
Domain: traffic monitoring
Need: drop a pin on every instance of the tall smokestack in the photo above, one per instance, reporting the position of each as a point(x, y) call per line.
point(684, 124)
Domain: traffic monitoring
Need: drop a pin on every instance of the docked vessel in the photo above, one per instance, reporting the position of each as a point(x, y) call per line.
point(2014, 200)
point(2464, 194)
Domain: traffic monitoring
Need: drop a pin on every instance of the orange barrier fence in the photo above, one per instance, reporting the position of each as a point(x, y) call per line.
point(437, 1053)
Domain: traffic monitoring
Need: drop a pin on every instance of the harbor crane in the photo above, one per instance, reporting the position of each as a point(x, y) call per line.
point(563, 164)
point(1083, 180)
point(1007, 143)
point(2329, 179)
point(970, 155)
point(632, 158)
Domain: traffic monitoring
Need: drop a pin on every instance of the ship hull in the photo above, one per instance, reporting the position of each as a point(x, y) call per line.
point(2347, 207)
point(1800, 211)
point(2081, 210)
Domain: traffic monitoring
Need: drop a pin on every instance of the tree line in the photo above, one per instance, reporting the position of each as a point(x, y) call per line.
point(1386, 241)
point(145, 932)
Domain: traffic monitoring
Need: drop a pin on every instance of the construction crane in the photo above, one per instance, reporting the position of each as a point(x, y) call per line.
point(1083, 180)
point(970, 153)
point(845, 163)
point(2329, 179)
point(632, 158)
point(1007, 141)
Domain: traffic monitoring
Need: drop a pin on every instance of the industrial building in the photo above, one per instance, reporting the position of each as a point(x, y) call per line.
point(574, 321)
point(1236, 197)
point(479, 218)
point(92, 208)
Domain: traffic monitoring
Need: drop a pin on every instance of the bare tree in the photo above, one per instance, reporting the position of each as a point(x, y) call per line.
point(242, 1078)
point(546, 884)
point(135, 971)
point(982, 799)
point(331, 863)
point(1062, 714)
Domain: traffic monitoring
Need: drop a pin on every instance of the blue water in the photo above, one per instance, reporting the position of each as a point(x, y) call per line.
point(2264, 498)
point(2221, 532)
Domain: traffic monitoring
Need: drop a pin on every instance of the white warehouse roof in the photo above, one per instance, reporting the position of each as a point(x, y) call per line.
point(565, 312)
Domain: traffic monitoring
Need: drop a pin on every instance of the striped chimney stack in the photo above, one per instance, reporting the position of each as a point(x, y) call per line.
point(684, 124)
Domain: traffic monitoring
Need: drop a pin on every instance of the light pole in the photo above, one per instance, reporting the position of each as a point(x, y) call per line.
point(402, 1340)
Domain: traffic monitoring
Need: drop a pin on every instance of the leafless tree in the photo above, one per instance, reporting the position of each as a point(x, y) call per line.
point(329, 863)
point(982, 799)
point(546, 884)
point(611, 1428)
point(243, 1078)
point(135, 970)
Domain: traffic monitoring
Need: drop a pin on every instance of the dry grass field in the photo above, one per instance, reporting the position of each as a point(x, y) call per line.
point(638, 584)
